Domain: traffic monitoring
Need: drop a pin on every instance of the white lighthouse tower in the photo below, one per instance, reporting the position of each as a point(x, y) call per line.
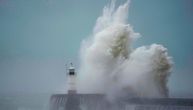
point(71, 80)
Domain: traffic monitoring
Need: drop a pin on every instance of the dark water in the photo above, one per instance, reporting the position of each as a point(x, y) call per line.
point(24, 101)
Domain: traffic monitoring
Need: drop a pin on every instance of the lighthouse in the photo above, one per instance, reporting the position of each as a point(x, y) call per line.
point(71, 80)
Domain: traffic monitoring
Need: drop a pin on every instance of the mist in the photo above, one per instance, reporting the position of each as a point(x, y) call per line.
point(31, 76)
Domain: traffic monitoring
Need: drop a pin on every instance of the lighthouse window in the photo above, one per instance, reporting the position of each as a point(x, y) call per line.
point(71, 73)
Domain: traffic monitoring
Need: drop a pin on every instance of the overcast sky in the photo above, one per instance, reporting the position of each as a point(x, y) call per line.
point(37, 38)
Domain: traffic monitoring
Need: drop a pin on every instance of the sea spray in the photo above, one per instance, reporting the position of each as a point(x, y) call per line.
point(110, 65)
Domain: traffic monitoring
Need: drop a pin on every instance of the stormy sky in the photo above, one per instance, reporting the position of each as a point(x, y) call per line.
point(38, 37)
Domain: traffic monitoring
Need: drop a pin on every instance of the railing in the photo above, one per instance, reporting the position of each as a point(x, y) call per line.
point(99, 102)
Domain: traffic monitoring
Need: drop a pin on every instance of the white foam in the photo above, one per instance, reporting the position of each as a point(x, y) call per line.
point(110, 65)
